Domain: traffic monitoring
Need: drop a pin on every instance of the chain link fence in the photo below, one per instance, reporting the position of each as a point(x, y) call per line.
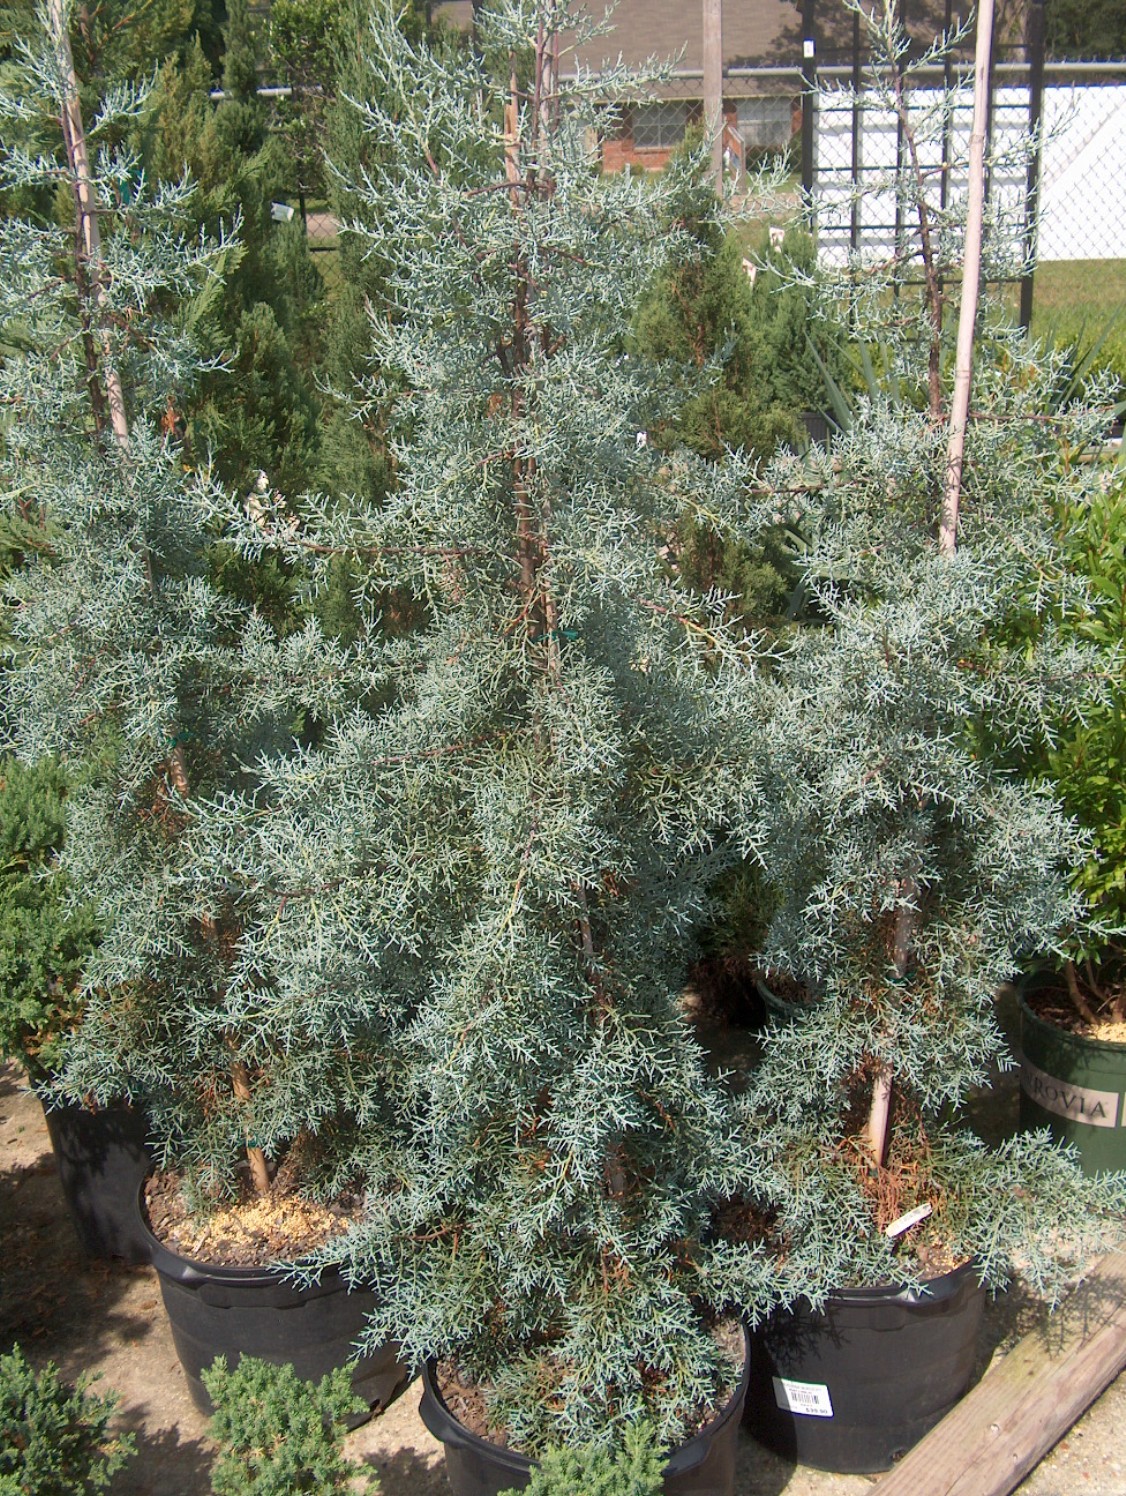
point(1057, 147)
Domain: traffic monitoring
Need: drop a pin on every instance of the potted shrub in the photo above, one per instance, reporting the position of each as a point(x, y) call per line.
point(540, 798)
point(912, 872)
point(128, 662)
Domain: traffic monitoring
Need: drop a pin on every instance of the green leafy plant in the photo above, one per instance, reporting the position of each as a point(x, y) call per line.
point(54, 1437)
point(1084, 760)
point(278, 1434)
point(636, 1469)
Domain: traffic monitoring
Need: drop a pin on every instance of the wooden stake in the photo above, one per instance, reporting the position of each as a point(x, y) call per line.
point(712, 19)
point(78, 158)
point(878, 1114)
point(259, 1171)
point(971, 281)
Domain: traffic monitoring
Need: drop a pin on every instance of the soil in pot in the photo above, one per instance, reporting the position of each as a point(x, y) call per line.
point(1080, 1000)
point(223, 1297)
point(852, 1387)
point(102, 1159)
point(1073, 1074)
point(479, 1462)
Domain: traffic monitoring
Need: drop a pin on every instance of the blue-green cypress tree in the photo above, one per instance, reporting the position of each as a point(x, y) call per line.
point(514, 850)
point(127, 662)
point(913, 870)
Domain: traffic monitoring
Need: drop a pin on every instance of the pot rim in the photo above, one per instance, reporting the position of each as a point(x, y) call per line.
point(173, 1264)
point(934, 1290)
point(684, 1457)
point(1081, 1041)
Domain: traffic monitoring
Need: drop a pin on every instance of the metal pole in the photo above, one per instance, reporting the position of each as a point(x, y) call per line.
point(948, 122)
point(1035, 45)
point(900, 156)
point(857, 127)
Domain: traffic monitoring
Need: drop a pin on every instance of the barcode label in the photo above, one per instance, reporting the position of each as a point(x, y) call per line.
point(810, 1398)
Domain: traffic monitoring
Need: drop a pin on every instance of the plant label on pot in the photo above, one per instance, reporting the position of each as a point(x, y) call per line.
point(810, 1398)
point(1064, 1099)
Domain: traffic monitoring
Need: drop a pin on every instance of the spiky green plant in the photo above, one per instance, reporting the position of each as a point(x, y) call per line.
point(278, 1434)
point(637, 1469)
point(55, 1438)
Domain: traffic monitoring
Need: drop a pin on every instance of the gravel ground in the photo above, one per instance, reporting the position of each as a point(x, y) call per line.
point(108, 1319)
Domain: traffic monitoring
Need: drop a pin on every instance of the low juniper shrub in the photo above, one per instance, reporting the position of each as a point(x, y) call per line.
point(54, 1435)
point(278, 1434)
point(636, 1469)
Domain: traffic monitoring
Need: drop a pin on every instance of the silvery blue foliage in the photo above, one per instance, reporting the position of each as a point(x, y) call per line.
point(155, 690)
point(914, 871)
point(514, 833)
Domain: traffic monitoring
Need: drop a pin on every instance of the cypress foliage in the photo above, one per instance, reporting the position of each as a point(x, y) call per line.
point(514, 852)
point(127, 658)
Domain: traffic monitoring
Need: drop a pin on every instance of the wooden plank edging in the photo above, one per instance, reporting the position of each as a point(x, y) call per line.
point(1004, 1426)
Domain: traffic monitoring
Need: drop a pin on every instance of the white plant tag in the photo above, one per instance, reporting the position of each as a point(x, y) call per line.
point(905, 1222)
point(810, 1398)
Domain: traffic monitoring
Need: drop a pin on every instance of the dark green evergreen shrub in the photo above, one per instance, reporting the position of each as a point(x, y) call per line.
point(45, 942)
point(279, 1435)
point(55, 1438)
point(752, 341)
point(636, 1469)
point(255, 408)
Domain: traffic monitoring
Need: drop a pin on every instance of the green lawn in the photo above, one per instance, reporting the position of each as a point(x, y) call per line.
point(1081, 302)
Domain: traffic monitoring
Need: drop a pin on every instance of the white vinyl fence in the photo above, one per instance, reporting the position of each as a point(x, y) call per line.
point(1082, 172)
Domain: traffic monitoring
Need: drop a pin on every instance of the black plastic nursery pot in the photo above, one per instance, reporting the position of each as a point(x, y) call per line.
point(102, 1158)
point(215, 1310)
point(1076, 1087)
point(853, 1387)
point(702, 1466)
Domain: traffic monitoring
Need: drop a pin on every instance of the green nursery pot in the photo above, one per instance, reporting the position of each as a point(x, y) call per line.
point(1076, 1087)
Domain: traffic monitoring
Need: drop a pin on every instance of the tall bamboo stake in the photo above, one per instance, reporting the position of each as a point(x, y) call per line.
point(879, 1112)
point(971, 281)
